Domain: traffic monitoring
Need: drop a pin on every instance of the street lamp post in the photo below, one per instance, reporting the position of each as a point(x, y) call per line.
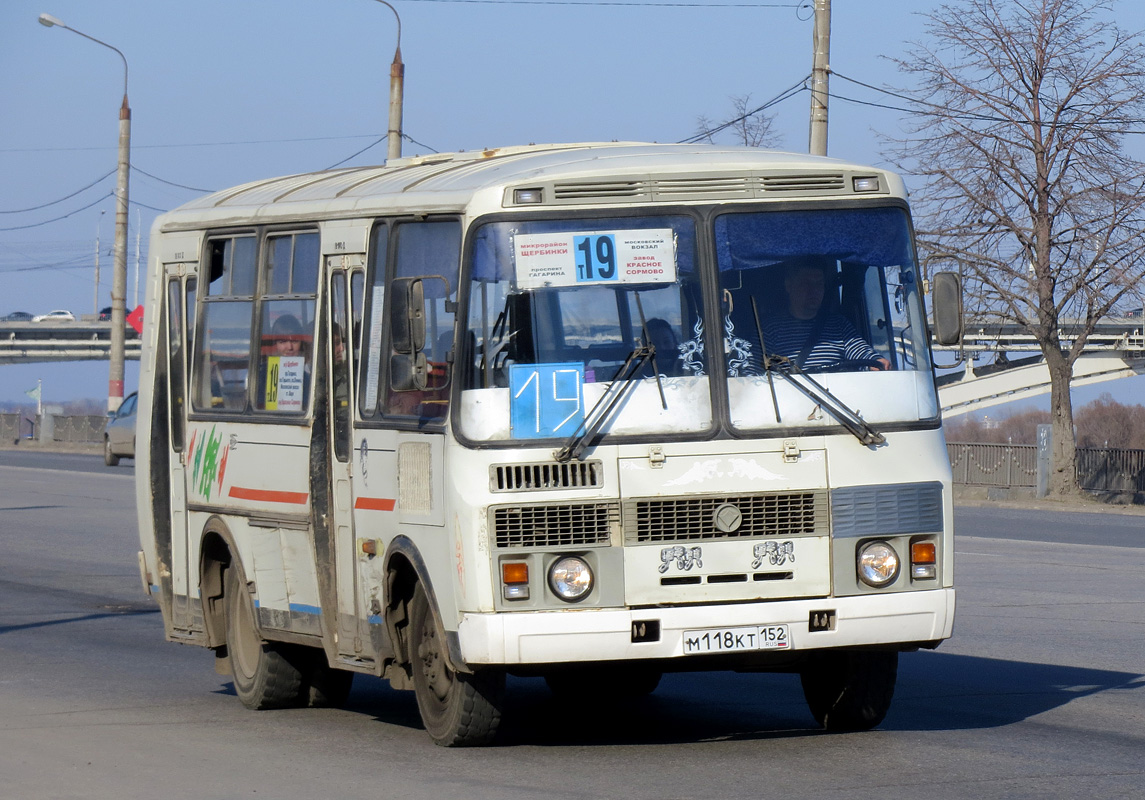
point(397, 80)
point(119, 266)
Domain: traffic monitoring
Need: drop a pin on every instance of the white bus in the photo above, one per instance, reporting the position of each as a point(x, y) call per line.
point(560, 411)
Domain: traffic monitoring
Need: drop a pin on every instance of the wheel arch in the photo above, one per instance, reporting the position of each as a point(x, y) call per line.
point(217, 551)
point(405, 568)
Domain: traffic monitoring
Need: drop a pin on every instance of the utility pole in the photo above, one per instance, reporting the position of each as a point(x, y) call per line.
point(820, 72)
point(397, 90)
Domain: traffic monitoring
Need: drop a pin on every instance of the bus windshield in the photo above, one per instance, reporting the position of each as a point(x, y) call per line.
point(557, 307)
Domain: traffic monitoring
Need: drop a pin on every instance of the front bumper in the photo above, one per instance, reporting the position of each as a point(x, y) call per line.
point(546, 637)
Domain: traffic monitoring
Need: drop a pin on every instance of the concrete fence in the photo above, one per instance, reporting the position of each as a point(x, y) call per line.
point(69, 428)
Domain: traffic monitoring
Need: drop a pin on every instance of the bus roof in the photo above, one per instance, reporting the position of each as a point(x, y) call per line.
point(568, 174)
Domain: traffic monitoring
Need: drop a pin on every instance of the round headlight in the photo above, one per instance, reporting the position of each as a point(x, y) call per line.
point(878, 564)
point(570, 579)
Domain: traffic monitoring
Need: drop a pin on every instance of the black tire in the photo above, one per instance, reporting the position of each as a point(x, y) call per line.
point(457, 709)
point(263, 673)
point(850, 690)
point(619, 682)
point(325, 686)
point(109, 458)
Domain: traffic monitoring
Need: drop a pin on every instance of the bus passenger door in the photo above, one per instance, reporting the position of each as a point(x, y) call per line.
point(345, 314)
point(180, 332)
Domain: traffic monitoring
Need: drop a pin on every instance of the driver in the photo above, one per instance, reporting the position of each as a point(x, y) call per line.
point(813, 334)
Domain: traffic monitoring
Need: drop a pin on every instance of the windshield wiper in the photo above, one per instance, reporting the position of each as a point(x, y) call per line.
point(834, 406)
point(848, 418)
point(617, 389)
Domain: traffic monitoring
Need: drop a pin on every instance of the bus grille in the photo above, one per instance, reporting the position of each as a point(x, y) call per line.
point(539, 477)
point(555, 525)
point(692, 518)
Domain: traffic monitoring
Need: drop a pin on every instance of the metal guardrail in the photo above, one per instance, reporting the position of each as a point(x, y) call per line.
point(1007, 465)
point(1119, 471)
point(1111, 470)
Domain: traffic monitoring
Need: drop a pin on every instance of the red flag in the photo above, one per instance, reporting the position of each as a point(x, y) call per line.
point(135, 319)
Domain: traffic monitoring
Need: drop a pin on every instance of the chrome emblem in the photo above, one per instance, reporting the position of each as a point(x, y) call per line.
point(685, 558)
point(775, 552)
point(727, 518)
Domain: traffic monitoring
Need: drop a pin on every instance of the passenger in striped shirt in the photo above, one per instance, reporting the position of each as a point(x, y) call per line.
point(835, 339)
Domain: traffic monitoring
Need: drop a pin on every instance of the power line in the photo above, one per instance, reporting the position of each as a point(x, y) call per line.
point(62, 199)
point(57, 219)
point(169, 183)
point(791, 91)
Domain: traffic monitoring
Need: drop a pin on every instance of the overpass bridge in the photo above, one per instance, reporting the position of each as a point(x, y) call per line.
point(85, 340)
point(1012, 367)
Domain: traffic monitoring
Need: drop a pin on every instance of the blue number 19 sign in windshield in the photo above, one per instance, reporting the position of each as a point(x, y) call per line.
point(545, 400)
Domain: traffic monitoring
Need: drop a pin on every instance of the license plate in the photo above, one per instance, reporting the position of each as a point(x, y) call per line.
point(751, 637)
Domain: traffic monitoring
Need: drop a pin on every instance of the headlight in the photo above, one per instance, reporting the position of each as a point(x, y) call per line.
point(878, 564)
point(570, 579)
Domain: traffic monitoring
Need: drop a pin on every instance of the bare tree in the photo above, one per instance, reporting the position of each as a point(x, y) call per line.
point(1023, 107)
point(749, 126)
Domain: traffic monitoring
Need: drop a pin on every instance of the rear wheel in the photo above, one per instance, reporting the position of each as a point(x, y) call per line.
point(109, 458)
point(457, 709)
point(264, 675)
point(850, 690)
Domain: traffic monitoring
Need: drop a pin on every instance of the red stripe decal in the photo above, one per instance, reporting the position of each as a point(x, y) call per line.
point(267, 495)
point(374, 504)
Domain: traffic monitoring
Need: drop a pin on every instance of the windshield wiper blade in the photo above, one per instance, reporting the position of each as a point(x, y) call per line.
point(621, 382)
point(848, 418)
point(766, 359)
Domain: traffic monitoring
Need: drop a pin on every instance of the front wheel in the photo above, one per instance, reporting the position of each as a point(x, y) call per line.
point(850, 690)
point(457, 709)
point(263, 674)
point(109, 458)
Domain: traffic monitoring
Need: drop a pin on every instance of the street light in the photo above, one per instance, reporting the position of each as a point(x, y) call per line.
point(397, 78)
point(119, 266)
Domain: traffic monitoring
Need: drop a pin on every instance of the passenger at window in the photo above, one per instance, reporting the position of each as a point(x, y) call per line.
point(284, 374)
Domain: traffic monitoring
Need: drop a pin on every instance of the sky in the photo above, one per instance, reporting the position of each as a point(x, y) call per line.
point(228, 91)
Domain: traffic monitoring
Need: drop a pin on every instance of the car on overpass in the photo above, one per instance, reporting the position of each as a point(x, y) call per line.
point(55, 316)
point(18, 316)
point(119, 433)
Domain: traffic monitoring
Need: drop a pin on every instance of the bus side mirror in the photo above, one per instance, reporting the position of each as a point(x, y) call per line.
point(946, 296)
point(409, 372)
point(407, 326)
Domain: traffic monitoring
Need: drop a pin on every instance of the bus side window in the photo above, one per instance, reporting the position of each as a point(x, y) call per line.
point(223, 333)
point(430, 250)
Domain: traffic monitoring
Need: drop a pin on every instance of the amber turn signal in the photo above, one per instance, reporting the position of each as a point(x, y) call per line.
point(515, 572)
point(922, 553)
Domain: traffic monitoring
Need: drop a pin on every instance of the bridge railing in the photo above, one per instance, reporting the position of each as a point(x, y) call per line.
point(1119, 471)
point(1003, 465)
point(1105, 470)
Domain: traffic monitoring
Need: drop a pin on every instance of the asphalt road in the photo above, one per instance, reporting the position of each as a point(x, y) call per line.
point(1041, 692)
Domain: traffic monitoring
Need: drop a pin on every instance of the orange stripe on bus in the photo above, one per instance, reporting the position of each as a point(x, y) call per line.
point(268, 495)
point(374, 504)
